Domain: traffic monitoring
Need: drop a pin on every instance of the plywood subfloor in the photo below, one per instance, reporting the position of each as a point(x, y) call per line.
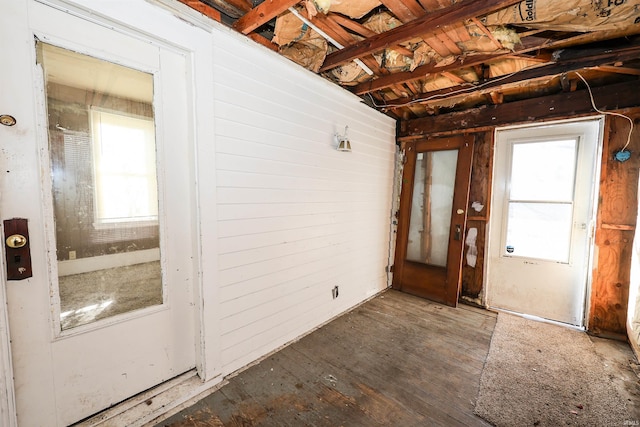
point(395, 360)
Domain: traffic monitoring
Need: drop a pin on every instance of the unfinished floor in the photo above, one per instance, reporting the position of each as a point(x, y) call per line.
point(396, 360)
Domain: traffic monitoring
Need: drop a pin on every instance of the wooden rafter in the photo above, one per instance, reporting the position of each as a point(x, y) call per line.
point(205, 9)
point(619, 70)
point(428, 23)
point(409, 10)
point(404, 10)
point(446, 40)
point(486, 32)
point(262, 14)
point(529, 44)
point(612, 97)
point(567, 63)
point(421, 72)
point(263, 41)
point(364, 31)
point(342, 36)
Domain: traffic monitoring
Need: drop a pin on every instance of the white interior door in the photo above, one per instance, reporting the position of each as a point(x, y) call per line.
point(542, 212)
point(100, 164)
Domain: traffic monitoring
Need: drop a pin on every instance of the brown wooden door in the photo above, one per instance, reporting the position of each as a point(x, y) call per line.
point(432, 218)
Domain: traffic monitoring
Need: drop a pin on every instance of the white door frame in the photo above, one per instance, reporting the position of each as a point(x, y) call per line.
point(593, 210)
point(158, 22)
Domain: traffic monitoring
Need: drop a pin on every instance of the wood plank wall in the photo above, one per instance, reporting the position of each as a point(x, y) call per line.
point(295, 216)
point(616, 221)
point(480, 191)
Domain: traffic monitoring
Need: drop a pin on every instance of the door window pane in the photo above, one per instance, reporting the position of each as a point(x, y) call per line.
point(539, 230)
point(103, 169)
point(540, 205)
point(543, 170)
point(430, 220)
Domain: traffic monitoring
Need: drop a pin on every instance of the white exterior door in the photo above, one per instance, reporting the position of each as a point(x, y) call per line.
point(542, 211)
point(100, 164)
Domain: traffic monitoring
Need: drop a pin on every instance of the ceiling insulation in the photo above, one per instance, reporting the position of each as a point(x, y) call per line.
point(412, 58)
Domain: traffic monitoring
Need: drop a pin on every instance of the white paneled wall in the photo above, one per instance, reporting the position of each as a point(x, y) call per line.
point(295, 216)
point(282, 217)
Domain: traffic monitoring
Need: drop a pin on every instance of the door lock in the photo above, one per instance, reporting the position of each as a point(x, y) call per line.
point(17, 251)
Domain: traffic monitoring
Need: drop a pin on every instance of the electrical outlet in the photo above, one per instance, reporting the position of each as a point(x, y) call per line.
point(335, 292)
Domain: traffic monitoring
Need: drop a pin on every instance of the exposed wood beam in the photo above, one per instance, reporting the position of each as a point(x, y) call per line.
point(529, 44)
point(496, 97)
point(205, 9)
point(342, 36)
point(607, 98)
point(364, 31)
point(436, 44)
point(428, 23)
point(619, 70)
point(430, 5)
point(486, 32)
point(421, 72)
point(243, 5)
point(454, 78)
point(603, 55)
point(263, 41)
point(262, 14)
point(409, 10)
point(568, 84)
point(404, 10)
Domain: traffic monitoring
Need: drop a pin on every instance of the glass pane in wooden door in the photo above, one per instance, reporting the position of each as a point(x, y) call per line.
point(430, 219)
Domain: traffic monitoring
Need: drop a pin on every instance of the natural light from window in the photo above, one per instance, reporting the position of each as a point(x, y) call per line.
point(540, 205)
point(125, 168)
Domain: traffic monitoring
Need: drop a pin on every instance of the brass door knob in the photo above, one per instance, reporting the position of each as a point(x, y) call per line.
point(16, 241)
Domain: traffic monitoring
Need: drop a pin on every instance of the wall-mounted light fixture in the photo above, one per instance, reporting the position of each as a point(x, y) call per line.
point(343, 140)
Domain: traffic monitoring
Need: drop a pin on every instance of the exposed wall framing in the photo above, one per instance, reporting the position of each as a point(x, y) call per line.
point(618, 199)
point(616, 223)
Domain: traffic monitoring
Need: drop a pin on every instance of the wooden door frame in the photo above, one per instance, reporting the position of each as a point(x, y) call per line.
point(406, 269)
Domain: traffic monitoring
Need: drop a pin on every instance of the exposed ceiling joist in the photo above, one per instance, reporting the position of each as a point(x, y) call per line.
point(528, 45)
point(567, 62)
point(425, 24)
point(619, 70)
point(205, 9)
point(432, 57)
point(262, 14)
point(612, 97)
point(364, 31)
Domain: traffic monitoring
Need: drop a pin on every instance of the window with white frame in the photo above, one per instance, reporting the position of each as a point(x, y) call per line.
point(124, 168)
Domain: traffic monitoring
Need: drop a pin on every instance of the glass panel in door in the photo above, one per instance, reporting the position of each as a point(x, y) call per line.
point(430, 220)
point(540, 203)
point(105, 197)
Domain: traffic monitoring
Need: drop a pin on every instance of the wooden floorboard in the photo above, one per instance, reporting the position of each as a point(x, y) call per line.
point(395, 360)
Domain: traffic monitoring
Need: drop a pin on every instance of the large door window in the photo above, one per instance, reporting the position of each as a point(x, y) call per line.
point(433, 186)
point(101, 167)
point(103, 172)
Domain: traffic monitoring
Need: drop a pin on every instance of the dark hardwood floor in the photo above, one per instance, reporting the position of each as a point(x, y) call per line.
point(396, 360)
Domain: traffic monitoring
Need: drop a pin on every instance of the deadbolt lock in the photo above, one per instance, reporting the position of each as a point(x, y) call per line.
point(16, 241)
point(16, 251)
